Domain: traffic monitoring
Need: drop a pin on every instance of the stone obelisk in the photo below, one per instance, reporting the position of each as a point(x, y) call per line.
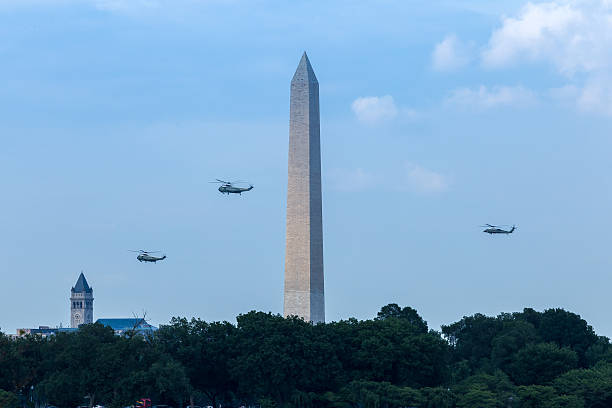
point(304, 289)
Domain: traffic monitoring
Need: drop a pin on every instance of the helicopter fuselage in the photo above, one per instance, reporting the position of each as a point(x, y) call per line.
point(149, 258)
point(227, 189)
point(498, 231)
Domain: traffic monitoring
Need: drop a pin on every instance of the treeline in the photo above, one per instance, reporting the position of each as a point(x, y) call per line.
point(530, 359)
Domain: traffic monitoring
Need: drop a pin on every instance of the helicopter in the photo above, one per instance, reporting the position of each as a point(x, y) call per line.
point(144, 256)
point(493, 229)
point(227, 187)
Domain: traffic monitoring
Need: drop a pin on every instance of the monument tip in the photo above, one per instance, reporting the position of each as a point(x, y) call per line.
point(304, 70)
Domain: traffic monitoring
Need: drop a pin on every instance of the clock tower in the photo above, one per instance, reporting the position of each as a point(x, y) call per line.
point(81, 303)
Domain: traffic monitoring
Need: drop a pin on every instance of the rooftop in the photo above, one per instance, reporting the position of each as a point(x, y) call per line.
point(81, 285)
point(125, 324)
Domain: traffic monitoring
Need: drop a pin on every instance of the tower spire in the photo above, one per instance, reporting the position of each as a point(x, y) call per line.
point(81, 284)
point(81, 302)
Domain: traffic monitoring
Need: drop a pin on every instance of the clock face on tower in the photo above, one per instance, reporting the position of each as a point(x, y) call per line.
point(77, 316)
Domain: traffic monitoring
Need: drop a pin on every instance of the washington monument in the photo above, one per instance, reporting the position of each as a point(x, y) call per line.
point(304, 289)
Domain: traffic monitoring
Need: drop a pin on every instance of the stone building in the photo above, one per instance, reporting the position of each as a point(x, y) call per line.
point(81, 312)
point(81, 303)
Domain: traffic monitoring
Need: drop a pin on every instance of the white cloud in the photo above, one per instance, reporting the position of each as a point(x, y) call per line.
point(351, 180)
point(545, 31)
point(410, 177)
point(422, 180)
point(406, 177)
point(485, 98)
point(450, 54)
point(372, 109)
point(409, 114)
point(573, 36)
point(596, 96)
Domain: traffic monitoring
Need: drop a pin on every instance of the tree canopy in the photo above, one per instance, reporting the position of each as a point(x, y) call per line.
point(528, 359)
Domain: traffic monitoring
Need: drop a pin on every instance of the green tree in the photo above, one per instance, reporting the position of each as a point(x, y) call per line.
point(541, 363)
point(8, 363)
point(369, 394)
point(567, 330)
point(277, 357)
point(86, 363)
point(438, 397)
point(478, 396)
point(22, 361)
point(332, 400)
point(530, 316)
point(593, 385)
point(539, 396)
point(390, 350)
point(536, 396)
point(392, 310)
point(600, 351)
point(8, 399)
point(471, 338)
point(496, 383)
point(204, 350)
point(514, 335)
point(167, 380)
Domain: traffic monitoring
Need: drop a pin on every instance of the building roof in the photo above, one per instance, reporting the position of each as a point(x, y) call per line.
point(126, 324)
point(81, 285)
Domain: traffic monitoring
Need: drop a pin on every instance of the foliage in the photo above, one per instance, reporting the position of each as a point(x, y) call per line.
point(204, 350)
point(392, 310)
point(539, 396)
point(472, 338)
point(529, 359)
point(514, 335)
point(8, 399)
point(495, 387)
point(593, 385)
point(438, 397)
point(567, 330)
point(369, 394)
point(541, 363)
point(478, 397)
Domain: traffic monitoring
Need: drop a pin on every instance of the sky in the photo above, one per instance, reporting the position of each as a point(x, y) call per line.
point(436, 117)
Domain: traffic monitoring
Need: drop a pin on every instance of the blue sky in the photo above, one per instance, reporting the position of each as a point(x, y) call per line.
point(436, 117)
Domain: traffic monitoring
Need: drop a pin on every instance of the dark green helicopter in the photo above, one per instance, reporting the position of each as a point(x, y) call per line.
point(493, 229)
point(227, 187)
point(144, 256)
